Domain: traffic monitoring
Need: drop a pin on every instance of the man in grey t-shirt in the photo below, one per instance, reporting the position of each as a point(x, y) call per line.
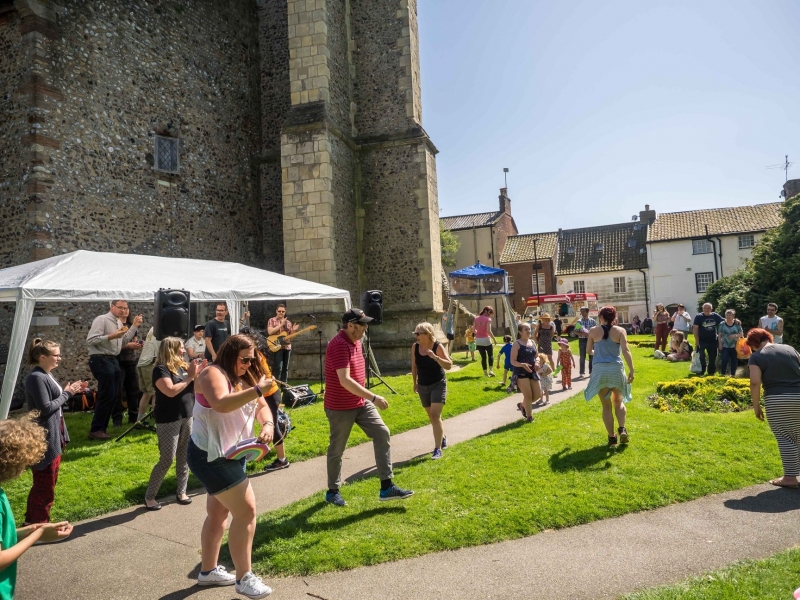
point(217, 331)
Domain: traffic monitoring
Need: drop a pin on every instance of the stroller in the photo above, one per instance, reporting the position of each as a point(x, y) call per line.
point(647, 325)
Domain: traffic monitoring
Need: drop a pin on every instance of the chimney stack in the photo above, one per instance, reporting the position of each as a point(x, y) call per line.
point(647, 216)
point(505, 201)
point(791, 188)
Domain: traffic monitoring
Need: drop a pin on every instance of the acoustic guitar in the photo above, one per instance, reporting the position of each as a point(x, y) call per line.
point(279, 340)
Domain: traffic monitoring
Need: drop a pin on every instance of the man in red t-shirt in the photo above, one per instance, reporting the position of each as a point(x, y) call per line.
point(348, 402)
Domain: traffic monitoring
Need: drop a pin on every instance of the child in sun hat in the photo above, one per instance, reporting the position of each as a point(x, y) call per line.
point(545, 377)
point(566, 360)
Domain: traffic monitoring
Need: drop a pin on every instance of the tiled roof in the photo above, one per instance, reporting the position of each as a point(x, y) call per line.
point(519, 248)
point(720, 221)
point(470, 221)
point(616, 254)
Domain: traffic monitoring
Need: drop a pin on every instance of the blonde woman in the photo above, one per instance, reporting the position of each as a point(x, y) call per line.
point(429, 361)
point(173, 380)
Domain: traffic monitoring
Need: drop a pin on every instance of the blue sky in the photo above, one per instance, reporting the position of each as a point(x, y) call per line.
point(600, 107)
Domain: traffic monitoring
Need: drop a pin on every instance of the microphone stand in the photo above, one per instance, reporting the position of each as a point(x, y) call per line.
point(320, 335)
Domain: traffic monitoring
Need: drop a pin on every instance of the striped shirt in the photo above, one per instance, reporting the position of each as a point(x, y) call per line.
point(342, 352)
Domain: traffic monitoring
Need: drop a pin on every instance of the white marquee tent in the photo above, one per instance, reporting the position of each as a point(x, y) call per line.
point(85, 276)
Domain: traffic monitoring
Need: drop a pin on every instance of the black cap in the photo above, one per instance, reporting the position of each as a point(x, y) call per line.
point(199, 327)
point(584, 308)
point(356, 315)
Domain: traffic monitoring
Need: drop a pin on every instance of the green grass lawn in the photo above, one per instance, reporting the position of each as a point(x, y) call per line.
point(97, 478)
point(771, 578)
point(522, 479)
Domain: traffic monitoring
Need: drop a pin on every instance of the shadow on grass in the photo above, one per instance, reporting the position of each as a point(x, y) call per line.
point(584, 459)
point(370, 471)
point(779, 500)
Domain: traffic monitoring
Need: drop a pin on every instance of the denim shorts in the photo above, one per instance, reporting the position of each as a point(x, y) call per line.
point(218, 475)
point(436, 393)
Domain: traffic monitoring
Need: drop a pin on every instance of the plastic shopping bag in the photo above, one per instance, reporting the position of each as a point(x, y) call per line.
point(742, 349)
point(696, 367)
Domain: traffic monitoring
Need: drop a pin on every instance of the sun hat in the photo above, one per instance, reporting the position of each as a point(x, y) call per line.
point(545, 316)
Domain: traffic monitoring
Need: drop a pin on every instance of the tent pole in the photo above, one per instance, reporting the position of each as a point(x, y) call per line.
point(234, 314)
point(19, 334)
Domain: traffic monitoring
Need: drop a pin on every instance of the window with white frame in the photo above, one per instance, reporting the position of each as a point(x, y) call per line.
point(166, 154)
point(579, 287)
point(510, 284)
point(701, 247)
point(747, 241)
point(541, 283)
point(703, 280)
point(619, 285)
point(622, 315)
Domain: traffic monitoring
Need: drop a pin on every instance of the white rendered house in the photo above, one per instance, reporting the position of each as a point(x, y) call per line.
point(687, 251)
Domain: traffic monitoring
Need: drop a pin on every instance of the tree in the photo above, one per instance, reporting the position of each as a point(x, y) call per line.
point(450, 246)
point(771, 275)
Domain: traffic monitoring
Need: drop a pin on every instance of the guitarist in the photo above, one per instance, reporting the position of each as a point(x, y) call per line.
point(280, 325)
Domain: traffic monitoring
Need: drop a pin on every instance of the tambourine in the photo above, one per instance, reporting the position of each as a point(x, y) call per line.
point(251, 450)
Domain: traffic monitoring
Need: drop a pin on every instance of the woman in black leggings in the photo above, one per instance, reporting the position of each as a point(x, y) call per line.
point(485, 340)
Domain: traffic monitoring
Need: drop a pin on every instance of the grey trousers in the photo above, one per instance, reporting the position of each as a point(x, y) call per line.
point(173, 442)
point(371, 423)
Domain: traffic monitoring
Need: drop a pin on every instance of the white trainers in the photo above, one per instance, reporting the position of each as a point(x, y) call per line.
point(217, 576)
point(252, 587)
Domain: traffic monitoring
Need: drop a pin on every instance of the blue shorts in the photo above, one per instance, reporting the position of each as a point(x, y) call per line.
point(218, 475)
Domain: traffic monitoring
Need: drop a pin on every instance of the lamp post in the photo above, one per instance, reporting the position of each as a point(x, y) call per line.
point(536, 268)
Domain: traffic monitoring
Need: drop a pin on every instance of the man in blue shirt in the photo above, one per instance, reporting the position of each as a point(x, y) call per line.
point(583, 335)
point(704, 329)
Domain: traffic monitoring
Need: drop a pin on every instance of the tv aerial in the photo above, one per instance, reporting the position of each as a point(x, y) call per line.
point(785, 166)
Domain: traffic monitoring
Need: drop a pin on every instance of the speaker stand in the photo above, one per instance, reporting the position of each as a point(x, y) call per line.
point(142, 423)
point(371, 362)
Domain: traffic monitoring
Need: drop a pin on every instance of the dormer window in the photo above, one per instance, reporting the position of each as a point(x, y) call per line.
point(598, 246)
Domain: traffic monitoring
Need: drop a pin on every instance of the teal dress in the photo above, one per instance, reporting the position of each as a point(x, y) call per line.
point(608, 371)
point(8, 537)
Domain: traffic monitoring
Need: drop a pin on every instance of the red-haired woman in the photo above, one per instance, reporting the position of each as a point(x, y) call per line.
point(777, 368)
point(229, 398)
point(608, 379)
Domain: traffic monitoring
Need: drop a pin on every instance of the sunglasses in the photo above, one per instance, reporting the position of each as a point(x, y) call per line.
point(246, 360)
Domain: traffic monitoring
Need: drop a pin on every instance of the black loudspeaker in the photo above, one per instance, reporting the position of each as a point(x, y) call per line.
point(372, 305)
point(172, 314)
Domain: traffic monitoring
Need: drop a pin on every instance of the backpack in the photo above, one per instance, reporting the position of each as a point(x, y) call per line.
point(83, 401)
point(691, 349)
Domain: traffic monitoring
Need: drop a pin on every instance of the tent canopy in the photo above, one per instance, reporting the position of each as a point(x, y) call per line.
point(85, 276)
point(477, 270)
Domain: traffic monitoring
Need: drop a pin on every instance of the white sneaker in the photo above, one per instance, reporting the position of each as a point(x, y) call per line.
point(252, 587)
point(217, 576)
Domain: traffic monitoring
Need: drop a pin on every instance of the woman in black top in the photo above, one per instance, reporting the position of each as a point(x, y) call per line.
point(173, 380)
point(429, 360)
point(45, 395)
point(777, 368)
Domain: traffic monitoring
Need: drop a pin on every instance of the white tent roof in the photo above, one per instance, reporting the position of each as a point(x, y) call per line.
point(85, 276)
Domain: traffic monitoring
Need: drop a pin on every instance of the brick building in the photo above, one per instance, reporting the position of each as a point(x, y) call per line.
point(283, 134)
point(529, 257)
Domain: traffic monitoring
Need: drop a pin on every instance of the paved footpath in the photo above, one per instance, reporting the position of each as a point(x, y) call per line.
point(138, 554)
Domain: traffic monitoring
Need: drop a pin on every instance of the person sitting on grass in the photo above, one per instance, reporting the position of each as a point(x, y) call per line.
point(608, 379)
point(777, 368)
point(679, 348)
point(523, 359)
point(22, 444)
point(505, 352)
point(567, 361)
point(429, 360)
point(545, 377)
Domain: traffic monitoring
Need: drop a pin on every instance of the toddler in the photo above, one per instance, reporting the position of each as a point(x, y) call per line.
point(506, 352)
point(471, 346)
point(566, 361)
point(22, 444)
point(545, 373)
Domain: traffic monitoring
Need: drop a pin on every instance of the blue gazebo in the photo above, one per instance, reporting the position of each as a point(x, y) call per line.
point(475, 283)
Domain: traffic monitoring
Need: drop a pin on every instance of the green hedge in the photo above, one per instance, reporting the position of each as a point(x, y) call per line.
point(702, 394)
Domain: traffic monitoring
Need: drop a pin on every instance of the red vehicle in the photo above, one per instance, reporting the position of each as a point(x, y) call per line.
point(566, 306)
